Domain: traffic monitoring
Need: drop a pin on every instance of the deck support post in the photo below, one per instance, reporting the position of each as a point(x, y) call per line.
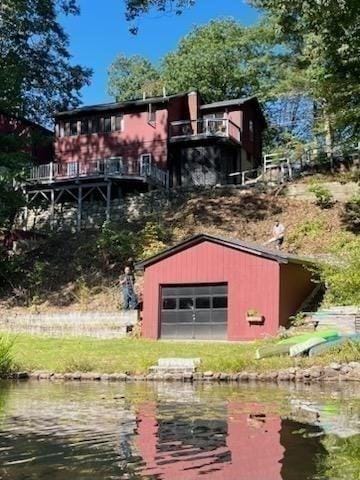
point(26, 211)
point(79, 208)
point(52, 208)
point(108, 201)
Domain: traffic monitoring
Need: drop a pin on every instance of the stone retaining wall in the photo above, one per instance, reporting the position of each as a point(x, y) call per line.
point(342, 192)
point(124, 209)
point(88, 324)
point(129, 208)
point(335, 372)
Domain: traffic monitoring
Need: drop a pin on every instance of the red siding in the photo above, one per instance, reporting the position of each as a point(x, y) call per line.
point(295, 286)
point(37, 141)
point(255, 449)
point(253, 283)
point(137, 137)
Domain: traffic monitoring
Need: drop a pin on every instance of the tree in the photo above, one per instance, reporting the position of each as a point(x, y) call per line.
point(222, 60)
point(36, 78)
point(324, 36)
point(130, 77)
point(135, 8)
point(36, 73)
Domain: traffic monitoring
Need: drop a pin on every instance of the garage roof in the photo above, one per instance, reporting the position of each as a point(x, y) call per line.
point(251, 248)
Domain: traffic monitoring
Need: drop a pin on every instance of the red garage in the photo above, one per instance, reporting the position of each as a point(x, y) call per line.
point(208, 287)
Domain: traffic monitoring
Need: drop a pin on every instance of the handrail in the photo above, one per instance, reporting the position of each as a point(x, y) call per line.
point(217, 127)
point(109, 167)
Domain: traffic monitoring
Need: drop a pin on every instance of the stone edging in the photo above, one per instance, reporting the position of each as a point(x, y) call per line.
point(333, 372)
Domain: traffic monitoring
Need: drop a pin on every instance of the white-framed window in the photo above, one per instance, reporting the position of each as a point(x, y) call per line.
point(146, 158)
point(73, 127)
point(84, 129)
point(119, 122)
point(151, 113)
point(106, 124)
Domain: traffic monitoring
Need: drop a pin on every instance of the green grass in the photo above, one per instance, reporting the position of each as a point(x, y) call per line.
point(6, 354)
point(136, 356)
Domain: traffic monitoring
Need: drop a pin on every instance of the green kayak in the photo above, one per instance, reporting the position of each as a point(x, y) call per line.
point(326, 335)
point(283, 346)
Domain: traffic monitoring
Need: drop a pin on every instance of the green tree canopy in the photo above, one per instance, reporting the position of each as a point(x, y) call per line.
point(324, 39)
point(130, 77)
point(221, 59)
point(224, 60)
point(37, 76)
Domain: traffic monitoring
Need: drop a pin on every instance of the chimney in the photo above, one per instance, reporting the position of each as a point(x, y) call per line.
point(193, 103)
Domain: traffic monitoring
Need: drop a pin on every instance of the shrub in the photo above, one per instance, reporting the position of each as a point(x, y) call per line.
point(116, 245)
point(322, 195)
point(151, 240)
point(342, 277)
point(351, 214)
point(308, 229)
point(6, 357)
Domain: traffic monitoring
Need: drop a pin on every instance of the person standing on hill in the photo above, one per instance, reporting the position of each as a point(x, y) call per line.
point(127, 283)
point(278, 234)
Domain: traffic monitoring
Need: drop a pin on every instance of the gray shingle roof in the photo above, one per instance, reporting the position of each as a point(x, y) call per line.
point(252, 248)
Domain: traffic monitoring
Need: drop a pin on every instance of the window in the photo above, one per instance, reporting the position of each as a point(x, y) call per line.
point(169, 304)
point(119, 122)
point(73, 127)
point(67, 129)
point(251, 130)
point(107, 124)
point(95, 125)
point(84, 126)
point(151, 113)
point(219, 302)
point(202, 302)
point(186, 303)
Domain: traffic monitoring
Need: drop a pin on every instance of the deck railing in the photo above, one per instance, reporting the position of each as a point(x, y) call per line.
point(111, 167)
point(207, 127)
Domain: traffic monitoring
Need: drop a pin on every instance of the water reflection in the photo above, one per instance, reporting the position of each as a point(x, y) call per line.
point(176, 432)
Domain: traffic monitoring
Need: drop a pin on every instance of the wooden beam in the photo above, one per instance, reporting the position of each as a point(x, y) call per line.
point(108, 201)
point(79, 208)
point(52, 209)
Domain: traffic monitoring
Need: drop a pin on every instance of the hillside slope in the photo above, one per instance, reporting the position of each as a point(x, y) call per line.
point(80, 271)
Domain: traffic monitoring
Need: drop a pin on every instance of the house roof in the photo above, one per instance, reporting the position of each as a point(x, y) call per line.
point(227, 103)
point(252, 248)
point(25, 121)
point(118, 105)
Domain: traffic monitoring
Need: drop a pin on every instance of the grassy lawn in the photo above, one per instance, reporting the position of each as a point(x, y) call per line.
point(136, 356)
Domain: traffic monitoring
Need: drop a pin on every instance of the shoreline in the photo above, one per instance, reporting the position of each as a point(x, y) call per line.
point(335, 372)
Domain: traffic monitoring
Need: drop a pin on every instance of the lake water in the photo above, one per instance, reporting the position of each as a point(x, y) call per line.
point(96, 431)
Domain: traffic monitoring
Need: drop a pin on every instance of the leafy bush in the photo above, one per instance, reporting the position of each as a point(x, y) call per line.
point(6, 357)
point(322, 195)
point(118, 245)
point(342, 277)
point(351, 214)
point(307, 229)
point(152, 240)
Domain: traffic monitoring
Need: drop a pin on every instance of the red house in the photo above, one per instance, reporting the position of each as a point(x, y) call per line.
point(161, 141)
point(215, 288)
point(36, 140)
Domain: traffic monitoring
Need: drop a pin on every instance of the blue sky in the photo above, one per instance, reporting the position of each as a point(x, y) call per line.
point(101, 32)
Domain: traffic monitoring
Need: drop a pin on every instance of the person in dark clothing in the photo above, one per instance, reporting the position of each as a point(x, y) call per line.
point(127, 283)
